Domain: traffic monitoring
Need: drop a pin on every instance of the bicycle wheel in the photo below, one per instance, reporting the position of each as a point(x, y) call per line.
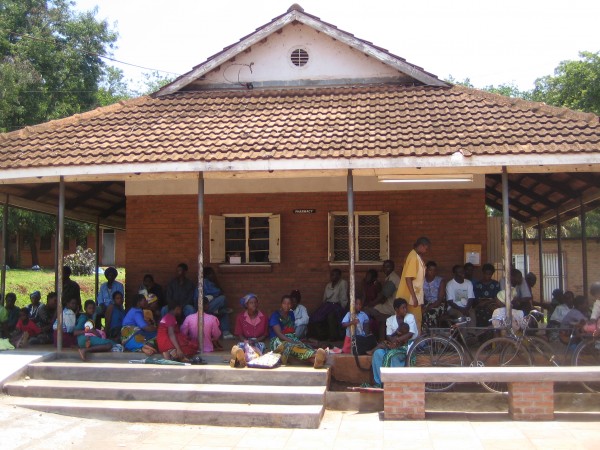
point(435, 351)
point(587, 353)
point(501, 352)
point(542, 353)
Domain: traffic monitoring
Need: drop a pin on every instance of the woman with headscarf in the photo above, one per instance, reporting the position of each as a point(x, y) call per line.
point(251, 330)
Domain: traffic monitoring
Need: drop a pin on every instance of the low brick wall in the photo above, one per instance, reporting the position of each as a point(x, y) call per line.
point(531, 401)
point(404, 401)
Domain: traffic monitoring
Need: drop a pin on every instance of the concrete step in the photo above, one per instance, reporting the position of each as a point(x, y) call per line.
point(146, 373)
point(160, 392)
point(221, 414)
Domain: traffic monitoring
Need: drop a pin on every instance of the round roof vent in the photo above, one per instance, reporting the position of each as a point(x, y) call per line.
point(299, 57)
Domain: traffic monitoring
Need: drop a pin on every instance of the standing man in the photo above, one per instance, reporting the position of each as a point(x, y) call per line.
point(385, 298)
point(413, 276)
point(181, 290)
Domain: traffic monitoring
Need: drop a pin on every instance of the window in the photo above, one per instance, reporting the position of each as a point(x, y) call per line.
point(46, 243)
point(371, 237)
point(254, 238)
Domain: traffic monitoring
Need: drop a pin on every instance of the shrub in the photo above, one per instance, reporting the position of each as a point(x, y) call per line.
point(82, 262)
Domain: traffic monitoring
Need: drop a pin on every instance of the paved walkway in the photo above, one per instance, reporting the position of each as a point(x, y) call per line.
point(26, 429)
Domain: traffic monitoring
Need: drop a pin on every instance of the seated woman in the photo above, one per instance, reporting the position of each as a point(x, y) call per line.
point(26, 329)
point(210, 328)
point(90, 344)
point(137, 334)
point(300, 313)
point(172, 343)
point(397, 342)
point(284, 341)
point(361, 322)
point(251, 330)
point(434, 295)
point(115, 313)
point(68, 324)
point(325, 321)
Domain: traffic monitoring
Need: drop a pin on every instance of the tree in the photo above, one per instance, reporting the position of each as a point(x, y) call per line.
point(575, 84)
point(51, 65)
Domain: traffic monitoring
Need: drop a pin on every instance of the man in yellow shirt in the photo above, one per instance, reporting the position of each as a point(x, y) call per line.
point(413, 276)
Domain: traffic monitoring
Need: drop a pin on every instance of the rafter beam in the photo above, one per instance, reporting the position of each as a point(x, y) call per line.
point(113, 209)
point(516, 187)
point(94, 190)
point(560, 188)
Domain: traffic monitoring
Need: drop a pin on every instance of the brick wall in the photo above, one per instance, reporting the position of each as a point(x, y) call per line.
point(162, 231)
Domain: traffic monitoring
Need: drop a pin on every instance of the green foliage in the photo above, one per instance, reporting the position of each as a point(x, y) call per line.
point(82, 262)
point(50, 66)
point(508, 90)
point(575, 84)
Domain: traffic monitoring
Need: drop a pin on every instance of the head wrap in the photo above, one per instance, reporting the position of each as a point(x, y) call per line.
point(246, 298)
point(151, 298)
point(35, 294)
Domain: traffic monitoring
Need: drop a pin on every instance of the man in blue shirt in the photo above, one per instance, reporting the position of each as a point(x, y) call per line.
point(107, 290)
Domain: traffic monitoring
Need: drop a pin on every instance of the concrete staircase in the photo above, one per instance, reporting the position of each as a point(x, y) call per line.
point(286, 397)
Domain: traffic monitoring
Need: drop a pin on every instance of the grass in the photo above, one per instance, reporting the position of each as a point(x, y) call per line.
point(24, 281)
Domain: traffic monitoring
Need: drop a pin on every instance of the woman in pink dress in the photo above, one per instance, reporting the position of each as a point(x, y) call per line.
point(212, 332)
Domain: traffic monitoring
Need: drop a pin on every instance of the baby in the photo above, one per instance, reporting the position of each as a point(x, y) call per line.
point(90, 330)
point(402, 330)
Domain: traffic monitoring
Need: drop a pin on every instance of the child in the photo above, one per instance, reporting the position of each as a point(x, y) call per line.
point(300, 313)
point(173, 344)
point(362, 325)
point(403, 329)
point(26, 328)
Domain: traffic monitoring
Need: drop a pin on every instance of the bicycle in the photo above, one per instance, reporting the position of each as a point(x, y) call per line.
point(504, 349)
point(450, 349)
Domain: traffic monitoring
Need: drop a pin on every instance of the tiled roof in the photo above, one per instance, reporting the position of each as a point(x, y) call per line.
point(344, 122)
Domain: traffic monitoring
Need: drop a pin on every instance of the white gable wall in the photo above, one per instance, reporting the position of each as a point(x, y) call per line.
point(329, 60)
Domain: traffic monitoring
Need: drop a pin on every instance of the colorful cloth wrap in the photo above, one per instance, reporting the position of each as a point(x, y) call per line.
point(134, 338)
point(295, 349)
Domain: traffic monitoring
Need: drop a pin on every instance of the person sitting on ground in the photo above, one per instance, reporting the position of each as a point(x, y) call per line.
point(565, 304)
point(216, 301)
point(12, 315)
point(370, 289)
point(434, 296)
point(152, 313)
point(151, 287)
point(46, 315)
point(469, 271)
point(181, 290)
point(284, 340)
point(499, 314)
point(595, 297)
point(575, 319)
point(384, 307)
point(137, 334)
point(251, 329)
point(485, 291)
point(68, 325)
point(106, 291)
point(327, 318)
point(115, 313)
point(361, 322)
point(172, 343)
point(459, 294)
point(300, 313)
point(90, 344)
point(26, 328)
point(523, 299)
point(210, 329)
point(70, 289)
point(398, 341)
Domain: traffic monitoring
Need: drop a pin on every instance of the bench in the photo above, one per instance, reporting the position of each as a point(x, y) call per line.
point(530, 389)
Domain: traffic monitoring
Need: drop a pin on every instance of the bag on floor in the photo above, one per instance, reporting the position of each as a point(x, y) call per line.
point(364, 344)
point(267, 361)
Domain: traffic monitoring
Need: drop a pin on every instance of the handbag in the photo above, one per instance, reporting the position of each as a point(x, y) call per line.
point(364, 344)
point(267, 361)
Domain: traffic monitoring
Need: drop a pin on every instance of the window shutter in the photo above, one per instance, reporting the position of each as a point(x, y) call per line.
point(217, 239)
point(384, 236)
point(330, 240)
point(274, 238)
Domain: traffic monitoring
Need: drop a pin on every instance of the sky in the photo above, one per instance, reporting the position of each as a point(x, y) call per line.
point(489, 42)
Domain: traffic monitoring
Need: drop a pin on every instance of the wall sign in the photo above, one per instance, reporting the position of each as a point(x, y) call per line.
point(305, 211)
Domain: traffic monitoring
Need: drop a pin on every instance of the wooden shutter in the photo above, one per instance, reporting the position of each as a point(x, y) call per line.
point(274, 238)
point(217, 239)
point(384, 236)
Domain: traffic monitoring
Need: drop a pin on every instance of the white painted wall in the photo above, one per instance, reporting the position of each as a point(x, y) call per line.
point(282, 185)
point(328, 60)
